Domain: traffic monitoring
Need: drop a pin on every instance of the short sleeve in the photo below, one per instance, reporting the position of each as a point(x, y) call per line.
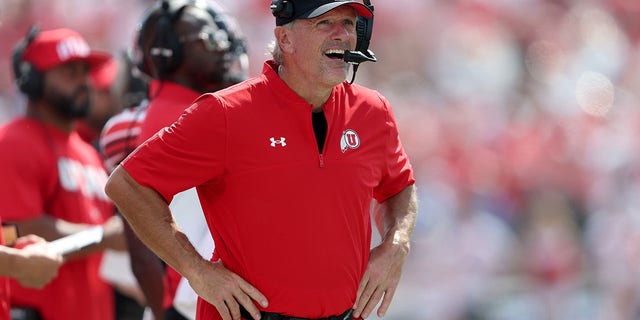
point(397, 173)
point(188, 153)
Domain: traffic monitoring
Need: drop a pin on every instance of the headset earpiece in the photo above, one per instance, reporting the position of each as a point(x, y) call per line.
point(166, 51)
point(364, 28)
point(282, 8)
point(29, 80)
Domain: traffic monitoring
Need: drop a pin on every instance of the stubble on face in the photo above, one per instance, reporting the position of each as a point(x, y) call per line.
point(72, 106)
point(66, 90)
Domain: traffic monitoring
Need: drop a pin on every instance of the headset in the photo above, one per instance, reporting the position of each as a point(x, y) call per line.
point(364, 28)
point(282, 8)
point(28, 79)
point(165, 52)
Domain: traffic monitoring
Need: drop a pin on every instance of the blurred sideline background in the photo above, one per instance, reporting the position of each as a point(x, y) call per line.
point(521, 119)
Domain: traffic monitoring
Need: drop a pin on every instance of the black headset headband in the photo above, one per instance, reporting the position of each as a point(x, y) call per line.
point(28, 79)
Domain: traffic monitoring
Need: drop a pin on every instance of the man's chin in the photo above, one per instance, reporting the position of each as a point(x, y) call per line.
point(340, 77)
point(76, 111)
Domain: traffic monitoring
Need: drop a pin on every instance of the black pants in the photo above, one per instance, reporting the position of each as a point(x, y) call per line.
point(127, 308)
point(173, 314)
point(24, 313)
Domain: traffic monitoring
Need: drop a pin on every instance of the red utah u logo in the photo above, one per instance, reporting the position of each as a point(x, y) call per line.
point(349, 140)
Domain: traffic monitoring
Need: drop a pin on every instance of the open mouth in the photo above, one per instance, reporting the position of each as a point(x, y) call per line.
point(336, 54)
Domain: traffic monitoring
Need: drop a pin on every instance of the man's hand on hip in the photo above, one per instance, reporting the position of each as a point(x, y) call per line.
point(226, 291)
point(381, 278)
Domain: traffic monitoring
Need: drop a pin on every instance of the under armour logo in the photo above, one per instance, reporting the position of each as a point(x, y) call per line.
point(281, 142)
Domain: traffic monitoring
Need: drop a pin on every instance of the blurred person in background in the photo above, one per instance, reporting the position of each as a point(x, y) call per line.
point(103, 101)
point(113, 86)
point(287, 166)
point(117, 139)
point(187, 48)
point(118, 136)
point(56, 178)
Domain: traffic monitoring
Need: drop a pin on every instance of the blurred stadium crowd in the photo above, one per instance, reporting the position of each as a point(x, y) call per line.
point(521, 118)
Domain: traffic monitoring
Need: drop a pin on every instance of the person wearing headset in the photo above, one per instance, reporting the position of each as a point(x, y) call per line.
point(53, 181)
point(287, 165)
point(188, 48)
point(115, 86)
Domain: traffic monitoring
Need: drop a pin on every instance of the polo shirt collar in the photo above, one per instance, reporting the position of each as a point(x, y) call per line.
point(281, 90)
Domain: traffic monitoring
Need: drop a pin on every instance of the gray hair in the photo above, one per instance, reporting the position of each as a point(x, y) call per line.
point(276, 52)
point(274, 48)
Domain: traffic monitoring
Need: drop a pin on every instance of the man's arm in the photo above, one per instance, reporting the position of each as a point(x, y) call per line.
point(33, 265)
point(395, 219)
point(150, 218)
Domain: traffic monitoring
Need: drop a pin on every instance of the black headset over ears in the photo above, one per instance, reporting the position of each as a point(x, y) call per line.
point(282, 8)
point(364, 29)
point(166, 51)
point(29, 80)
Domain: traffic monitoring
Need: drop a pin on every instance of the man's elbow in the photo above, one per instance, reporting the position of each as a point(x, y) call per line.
point(115, 183)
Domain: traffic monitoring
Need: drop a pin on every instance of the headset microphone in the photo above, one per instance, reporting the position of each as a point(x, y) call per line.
point(364, 27)
point(357, 57)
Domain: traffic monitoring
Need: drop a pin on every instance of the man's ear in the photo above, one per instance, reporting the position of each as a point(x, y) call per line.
point(283, 39)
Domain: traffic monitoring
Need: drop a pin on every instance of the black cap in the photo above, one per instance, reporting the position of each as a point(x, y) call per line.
point(286, 11)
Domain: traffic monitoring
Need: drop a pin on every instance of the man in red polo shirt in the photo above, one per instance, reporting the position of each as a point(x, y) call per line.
point(286, 166)
point(207, 54)
point(56, 179)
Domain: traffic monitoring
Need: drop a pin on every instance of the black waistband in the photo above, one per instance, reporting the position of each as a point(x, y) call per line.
point(276, 316)
point(24, 313)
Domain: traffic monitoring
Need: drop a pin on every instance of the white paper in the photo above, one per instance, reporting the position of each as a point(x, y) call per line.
point(77, 241)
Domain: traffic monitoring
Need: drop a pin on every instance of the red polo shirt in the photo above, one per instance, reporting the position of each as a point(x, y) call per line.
point(293, 222)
